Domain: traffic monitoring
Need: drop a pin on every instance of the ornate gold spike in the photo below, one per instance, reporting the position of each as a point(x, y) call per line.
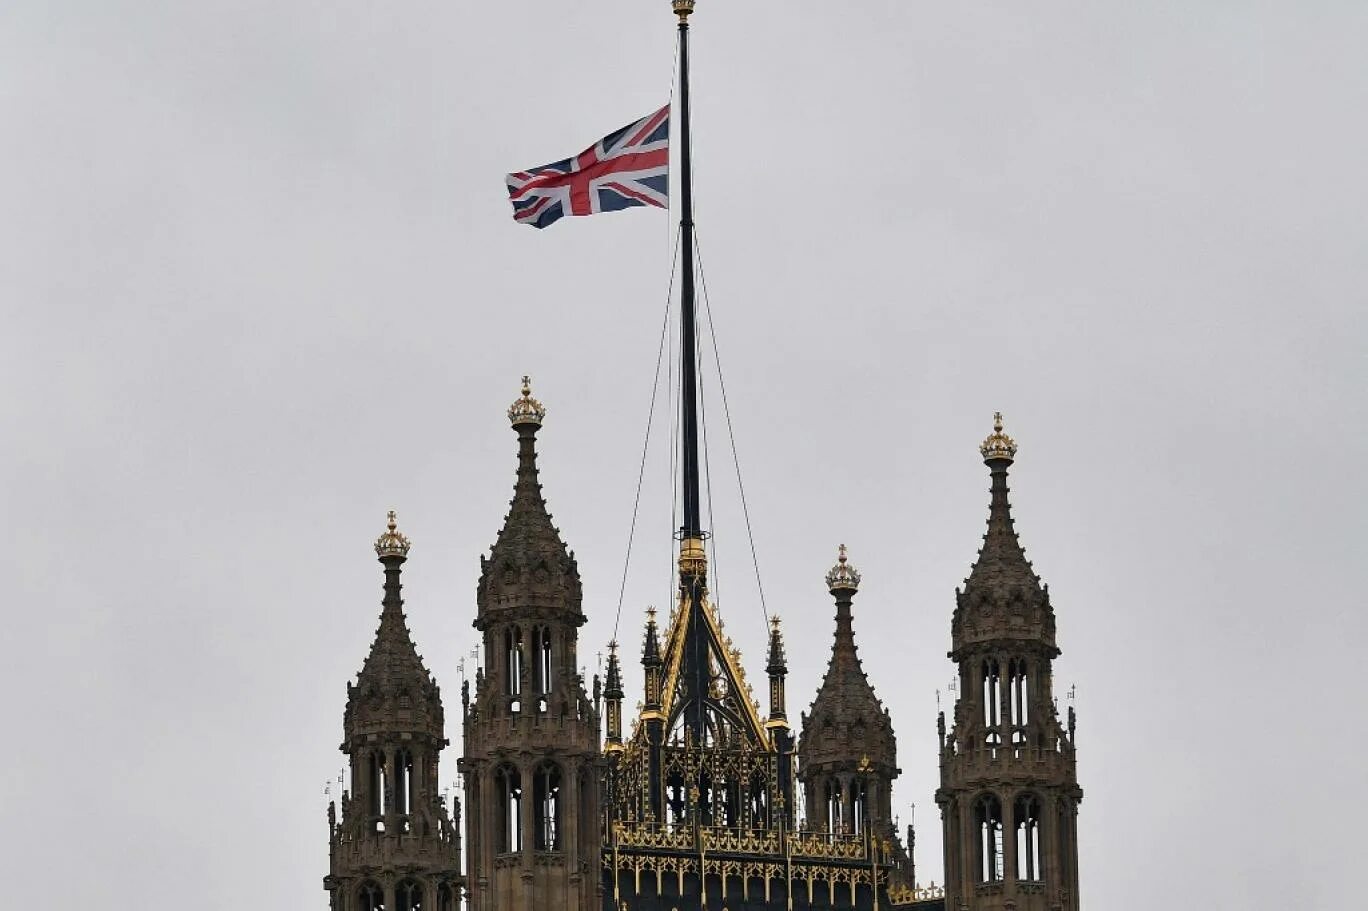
point(998, 445)
point(392, 543)
point(683, 8)
point(526, 410)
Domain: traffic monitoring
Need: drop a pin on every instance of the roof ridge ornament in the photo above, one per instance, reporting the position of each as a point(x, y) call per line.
point(392, 543)
point(998, 446)
point(843, 576)
point(526, 410)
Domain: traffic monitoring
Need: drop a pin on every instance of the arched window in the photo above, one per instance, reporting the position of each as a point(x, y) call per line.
point(377, 782)
point(676, 800)
point(508, 787)
point(541, 648)
point(858, 806)
point(1026, 822)
point(988, 820)
point(992, 693)
point(446, 898)
point(370, 897)
point(408, 896)
point(513, 664)
point(547, 809)
point(1018, 681)
point(403, 786)
point(755, 801)
point(833, 805)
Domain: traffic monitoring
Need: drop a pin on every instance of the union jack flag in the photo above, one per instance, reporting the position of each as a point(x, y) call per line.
point(628, 167)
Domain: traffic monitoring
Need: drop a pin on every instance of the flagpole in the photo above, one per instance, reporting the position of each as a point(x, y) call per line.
point(693, 566)
point(692, 526)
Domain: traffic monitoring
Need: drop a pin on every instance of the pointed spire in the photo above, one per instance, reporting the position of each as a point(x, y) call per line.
point(613, 694)
point(393, 668)
point(854, 727)
point(651, 664)
point(777, 667)
point(613, 684)
point(1003, 597)
point(528, 565)
point(1001, 561)
point(778, 662)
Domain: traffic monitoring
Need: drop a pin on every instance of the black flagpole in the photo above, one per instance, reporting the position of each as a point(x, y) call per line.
point(692, 559)
point(692, 526)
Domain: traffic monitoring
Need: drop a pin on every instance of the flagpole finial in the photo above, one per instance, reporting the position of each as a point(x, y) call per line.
point(682, 9)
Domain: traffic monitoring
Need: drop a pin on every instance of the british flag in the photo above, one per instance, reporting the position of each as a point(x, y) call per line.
point(628, 167)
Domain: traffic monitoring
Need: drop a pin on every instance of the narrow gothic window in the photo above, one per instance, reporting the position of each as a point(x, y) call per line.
point(541, 642)
point(547, 792)
point(988, 819)
point(370, 897)
point(756, 802)
point(1019, 694)
point(1026, 820)
point(377, 781)
point(834, 806)
point(858, 807)
point(513, 664)
point(992, 693)
point(403, 790)
point(445, 898)
point(508, 784)
point(408, 896)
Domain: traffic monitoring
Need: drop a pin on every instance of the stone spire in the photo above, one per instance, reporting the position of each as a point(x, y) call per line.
point(393, 673)
point(528, 566)
point(1003, 597)
point(1009, 789)
point(847, 723)
point(531, 736)
point(395, 841)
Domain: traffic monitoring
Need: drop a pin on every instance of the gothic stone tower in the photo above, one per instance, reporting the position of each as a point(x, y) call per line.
point(1009, 791)
point(847, 757)
point(531, 761)
point(395, 849)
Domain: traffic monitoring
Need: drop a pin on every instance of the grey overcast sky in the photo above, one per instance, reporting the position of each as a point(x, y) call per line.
point(260, 283)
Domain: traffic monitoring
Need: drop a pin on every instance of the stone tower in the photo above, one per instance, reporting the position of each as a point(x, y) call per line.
point(847, 756)
point(531, 755)
point(1009, 791)
point(395, 846)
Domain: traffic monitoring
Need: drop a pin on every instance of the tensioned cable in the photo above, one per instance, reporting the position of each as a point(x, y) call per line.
point(731, 436)
point(645, 444)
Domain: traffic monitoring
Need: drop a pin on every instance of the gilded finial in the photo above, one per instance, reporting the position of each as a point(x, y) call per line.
point(392, 543)
point(843, 576)
point(998, 446)
point(526, 410)
point(683, 8)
